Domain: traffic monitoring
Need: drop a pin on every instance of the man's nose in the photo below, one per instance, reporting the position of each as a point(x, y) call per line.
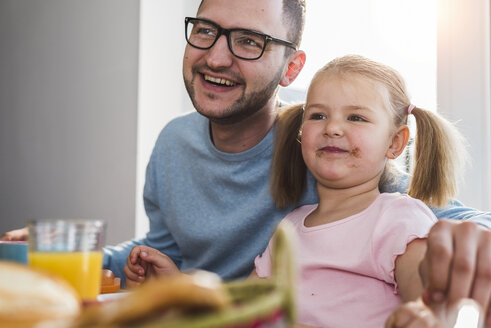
point(219, 55)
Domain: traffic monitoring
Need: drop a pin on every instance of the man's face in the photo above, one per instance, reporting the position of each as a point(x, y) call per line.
point(227, 89)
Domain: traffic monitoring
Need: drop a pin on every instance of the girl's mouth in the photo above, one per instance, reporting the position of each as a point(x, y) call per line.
point(332, 149)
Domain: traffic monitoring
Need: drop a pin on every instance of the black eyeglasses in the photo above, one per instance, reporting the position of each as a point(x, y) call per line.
point(244, 44)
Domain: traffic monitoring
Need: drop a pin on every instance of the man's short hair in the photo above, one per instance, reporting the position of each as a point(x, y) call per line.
point(294, 19)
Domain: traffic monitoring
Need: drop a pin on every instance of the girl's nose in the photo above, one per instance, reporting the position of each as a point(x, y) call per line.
point(219, 55)
point(333, 128)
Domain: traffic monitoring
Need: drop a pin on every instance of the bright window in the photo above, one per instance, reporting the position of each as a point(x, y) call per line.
point(399, 33)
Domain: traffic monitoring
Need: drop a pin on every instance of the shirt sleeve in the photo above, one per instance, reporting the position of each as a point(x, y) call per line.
point(454, 210)
point(263, 262)
point(400, 223)
point(115, 258)
point(457, 211)
point(158, 236)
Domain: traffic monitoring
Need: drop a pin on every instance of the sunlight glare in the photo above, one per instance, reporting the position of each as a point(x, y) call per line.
point(468, 317)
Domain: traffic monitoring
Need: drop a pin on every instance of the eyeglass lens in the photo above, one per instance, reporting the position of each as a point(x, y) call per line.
point(242, 43)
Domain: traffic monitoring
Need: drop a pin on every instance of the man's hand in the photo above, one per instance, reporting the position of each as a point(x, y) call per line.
point(465, 313)
point(145, 262)
point(15, 235)
point(457, 264)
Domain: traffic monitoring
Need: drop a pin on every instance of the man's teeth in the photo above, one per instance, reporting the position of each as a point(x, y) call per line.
point(219, 81)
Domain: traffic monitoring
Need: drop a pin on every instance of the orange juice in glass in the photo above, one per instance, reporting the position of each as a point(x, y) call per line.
point(71, 249)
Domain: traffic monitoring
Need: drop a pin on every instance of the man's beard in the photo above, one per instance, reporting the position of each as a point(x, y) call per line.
point(246, 106)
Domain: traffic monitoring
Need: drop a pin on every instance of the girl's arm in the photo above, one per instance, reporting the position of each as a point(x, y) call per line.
point(413, 312)
point(406, 270)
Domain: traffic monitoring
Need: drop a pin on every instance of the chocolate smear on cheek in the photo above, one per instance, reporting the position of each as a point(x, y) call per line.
point(356, 153)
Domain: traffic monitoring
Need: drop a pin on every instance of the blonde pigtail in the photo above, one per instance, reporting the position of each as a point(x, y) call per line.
point(439, 156)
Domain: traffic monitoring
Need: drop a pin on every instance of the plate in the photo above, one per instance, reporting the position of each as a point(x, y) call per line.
point(111, 296)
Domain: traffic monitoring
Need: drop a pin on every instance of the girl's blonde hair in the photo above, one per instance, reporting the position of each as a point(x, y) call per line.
point(439, 152)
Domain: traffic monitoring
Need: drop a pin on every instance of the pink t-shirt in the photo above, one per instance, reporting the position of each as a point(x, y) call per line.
point(346, 268)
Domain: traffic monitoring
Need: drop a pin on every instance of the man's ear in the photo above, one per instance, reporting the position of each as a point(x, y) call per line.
point(399, 142)
point(295, 65)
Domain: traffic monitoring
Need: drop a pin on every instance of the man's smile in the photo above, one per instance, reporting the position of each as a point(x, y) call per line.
point(219, 81)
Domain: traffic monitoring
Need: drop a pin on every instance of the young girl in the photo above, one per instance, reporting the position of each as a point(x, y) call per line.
point(359, 249)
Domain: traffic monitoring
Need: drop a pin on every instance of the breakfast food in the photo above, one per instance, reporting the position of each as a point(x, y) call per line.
point(168, 294)
point(34, 298)
point(109, 283)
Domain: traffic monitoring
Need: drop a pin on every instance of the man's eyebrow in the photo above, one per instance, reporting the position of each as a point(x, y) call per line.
point(233, 27)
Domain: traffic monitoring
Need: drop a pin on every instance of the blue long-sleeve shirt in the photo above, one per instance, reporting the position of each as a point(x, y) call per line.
point(213, 210)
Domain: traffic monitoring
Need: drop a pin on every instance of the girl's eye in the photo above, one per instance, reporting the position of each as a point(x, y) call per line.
point(317, 116)
point(356, 118)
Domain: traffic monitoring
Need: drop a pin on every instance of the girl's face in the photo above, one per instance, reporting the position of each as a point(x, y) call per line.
point(347, 130)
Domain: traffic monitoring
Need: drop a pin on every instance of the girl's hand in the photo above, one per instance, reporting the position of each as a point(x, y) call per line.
point(145, 262)
point(413, 315)
point(465, 313)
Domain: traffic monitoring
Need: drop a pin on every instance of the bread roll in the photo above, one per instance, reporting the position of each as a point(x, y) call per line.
point(34, 298)
point(199, 290)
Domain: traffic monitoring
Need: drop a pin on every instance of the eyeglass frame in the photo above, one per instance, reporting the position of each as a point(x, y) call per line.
point(226, 31)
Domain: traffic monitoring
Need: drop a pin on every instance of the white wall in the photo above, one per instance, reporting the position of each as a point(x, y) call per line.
point(162, 95)
point(464, 89)
point(68, 110)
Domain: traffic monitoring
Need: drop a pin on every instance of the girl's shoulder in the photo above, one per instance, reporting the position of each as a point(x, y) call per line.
point(403, 206)
point(400, 199)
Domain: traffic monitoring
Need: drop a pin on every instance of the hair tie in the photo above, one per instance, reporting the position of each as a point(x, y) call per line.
point(410, 109)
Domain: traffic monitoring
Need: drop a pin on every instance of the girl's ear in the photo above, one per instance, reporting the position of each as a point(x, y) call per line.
point(295, 65)
point(399, 142)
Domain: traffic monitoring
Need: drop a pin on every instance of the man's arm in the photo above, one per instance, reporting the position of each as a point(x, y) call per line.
point(158, 236)
point(454, 210)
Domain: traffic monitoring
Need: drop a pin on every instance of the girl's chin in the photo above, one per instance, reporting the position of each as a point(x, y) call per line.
point(331, 180)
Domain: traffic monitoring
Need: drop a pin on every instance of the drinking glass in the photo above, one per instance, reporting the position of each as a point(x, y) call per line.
point(71, 249)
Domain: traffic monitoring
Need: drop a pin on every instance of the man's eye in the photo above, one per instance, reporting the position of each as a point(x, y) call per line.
point(317, 116)
point(203, 31)
point(356, 118)
point(249, 42)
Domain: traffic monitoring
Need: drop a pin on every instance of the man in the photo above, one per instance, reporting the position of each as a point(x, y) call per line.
point(207, 185)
